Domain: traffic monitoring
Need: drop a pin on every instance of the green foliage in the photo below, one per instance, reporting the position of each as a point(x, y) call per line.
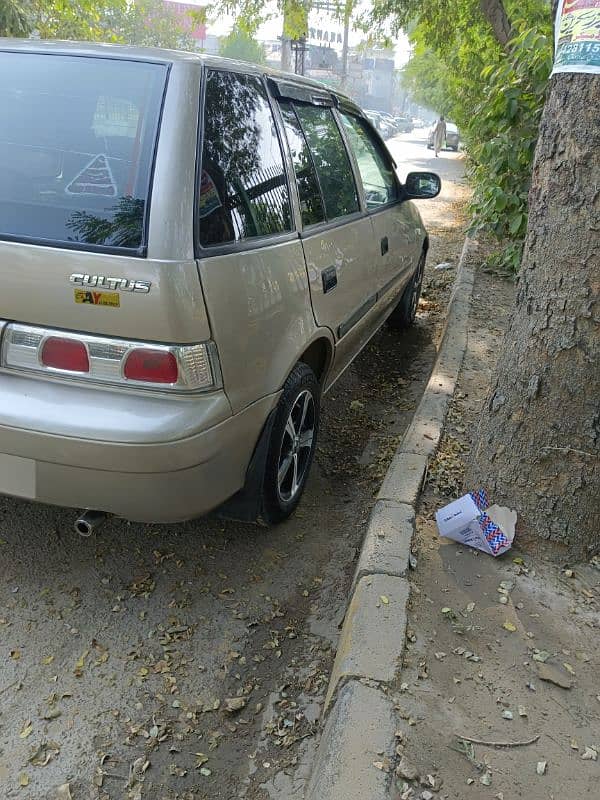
point(250, 14)
point(62, 19)
point(14, 20)
point(151, 23)
point(241, 45)
point(503, 135)
point(428, 81)
point(494, 94)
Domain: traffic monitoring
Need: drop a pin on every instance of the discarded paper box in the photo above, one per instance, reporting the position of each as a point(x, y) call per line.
point(471, 520)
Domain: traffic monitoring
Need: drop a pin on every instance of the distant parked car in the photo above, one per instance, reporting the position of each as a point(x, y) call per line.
point(452, 137)
point(381, 123)
point(404, 123)
point(390, 121)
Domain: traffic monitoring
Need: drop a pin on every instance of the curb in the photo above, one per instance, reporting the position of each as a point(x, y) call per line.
point(360, 719)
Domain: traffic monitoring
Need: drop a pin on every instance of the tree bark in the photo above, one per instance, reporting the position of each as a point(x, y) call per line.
point(495, 14)
point(537, 444)
point(286, 53)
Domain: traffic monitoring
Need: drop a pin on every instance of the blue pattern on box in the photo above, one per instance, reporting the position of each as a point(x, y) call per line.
point(481, 499)
point(494, 536)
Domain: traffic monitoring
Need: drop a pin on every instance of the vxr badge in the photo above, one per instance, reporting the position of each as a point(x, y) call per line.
point(114, 284)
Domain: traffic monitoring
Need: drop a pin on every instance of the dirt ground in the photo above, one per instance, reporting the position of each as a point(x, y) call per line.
point(191, 661)
point(485, 634)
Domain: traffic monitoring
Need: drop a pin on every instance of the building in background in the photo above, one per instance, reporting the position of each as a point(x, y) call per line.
point(206, 42)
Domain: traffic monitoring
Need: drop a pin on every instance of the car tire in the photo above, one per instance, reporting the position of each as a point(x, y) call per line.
point(404, 314)
point(292, 444)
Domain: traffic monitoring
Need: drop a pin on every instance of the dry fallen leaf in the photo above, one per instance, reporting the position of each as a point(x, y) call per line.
point(80, 664)
point(384, 765)
point(233, 704)
point(44, 753)
point(64, 792)
point(138, 769)
point(541, 655)
point(508, 626)
point(385, 600)
point(590, 754)
point(26, 730)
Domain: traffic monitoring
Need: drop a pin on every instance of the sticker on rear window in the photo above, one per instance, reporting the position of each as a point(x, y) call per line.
point(95, 178)
point(209, 199)
point(112, 299)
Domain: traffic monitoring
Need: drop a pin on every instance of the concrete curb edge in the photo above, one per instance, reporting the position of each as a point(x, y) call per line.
point(359, 714)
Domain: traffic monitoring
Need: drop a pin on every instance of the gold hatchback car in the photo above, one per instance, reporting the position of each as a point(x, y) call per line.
point(192, 250)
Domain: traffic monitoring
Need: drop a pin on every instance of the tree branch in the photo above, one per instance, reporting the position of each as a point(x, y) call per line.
point(495, 13)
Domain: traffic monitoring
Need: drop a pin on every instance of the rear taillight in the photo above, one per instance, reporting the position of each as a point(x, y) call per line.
point(151, 366)
point(184, 368)
point(65, 354)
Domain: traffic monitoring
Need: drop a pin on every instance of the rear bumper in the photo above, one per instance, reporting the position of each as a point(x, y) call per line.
point(146, 459)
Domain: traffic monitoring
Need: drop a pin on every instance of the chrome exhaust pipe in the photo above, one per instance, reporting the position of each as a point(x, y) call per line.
point(88, 522)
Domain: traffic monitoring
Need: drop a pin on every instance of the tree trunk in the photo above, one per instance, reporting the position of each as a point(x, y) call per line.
point(495, 14)
point(536, 448)
point(286, 53)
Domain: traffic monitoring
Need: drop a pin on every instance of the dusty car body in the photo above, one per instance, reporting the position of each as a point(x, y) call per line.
point(192, 250)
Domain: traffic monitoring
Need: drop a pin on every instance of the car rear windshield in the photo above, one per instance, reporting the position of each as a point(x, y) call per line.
point(77, 138)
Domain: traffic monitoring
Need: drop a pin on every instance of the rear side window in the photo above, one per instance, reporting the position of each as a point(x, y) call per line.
point(243, 190)
point(376, 170)
point(77, 138)
point(311, 203)
point(331, 160)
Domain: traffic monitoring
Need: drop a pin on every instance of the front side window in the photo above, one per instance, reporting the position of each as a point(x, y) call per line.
point(311, 202)
point(243, 190)
point(376, 171)
point(77, 137)
point(331, 160)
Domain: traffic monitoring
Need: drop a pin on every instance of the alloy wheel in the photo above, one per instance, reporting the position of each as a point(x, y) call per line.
point(296, 446)
point(416, 292)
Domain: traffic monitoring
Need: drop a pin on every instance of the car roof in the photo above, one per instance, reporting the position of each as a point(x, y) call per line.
point(161, 55)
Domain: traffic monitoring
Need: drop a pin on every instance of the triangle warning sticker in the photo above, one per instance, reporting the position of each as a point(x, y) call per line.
point(95, 178)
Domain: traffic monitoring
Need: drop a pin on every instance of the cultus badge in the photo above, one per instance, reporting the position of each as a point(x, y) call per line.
point(112, 284)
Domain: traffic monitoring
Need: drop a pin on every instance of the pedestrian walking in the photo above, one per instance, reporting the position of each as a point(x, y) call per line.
point(439, 135)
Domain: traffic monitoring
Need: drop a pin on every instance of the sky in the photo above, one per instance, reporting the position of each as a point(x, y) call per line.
point(272, 28)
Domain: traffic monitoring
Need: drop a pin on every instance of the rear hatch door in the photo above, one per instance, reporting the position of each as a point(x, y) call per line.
point(78, 136)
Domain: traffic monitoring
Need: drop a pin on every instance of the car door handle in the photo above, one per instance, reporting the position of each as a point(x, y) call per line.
point(329, 278)
point(385, 245)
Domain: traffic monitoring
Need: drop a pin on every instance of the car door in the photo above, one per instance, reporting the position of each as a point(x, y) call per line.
point(251, 260)
point(336, 234)
point(396, 230)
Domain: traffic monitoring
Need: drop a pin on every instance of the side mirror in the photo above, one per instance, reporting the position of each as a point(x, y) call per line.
point(422, 185)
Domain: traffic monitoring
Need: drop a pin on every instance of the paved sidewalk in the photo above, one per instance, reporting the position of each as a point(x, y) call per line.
point(498, 650)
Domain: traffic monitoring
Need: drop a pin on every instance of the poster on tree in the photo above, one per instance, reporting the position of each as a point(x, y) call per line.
point(577, 36)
